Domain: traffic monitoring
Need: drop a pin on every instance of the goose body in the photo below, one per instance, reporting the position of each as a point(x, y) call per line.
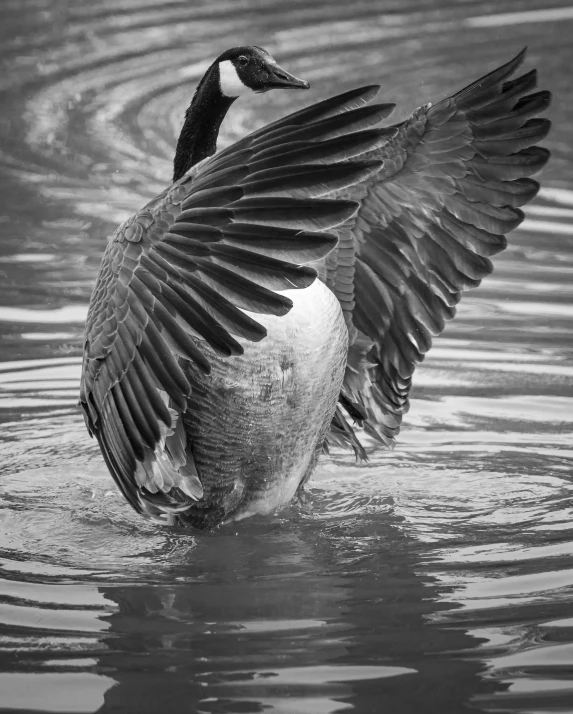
point(250, 443)
point(288, 285)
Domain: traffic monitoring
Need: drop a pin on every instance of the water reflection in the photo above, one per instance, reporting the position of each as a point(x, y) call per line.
point(371, 594)
point(31, 384)
point(315, 620)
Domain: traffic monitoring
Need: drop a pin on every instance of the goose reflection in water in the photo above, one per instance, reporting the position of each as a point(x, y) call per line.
point(329, 619)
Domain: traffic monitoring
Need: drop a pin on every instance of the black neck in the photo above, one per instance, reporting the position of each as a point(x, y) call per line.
point(198, 138)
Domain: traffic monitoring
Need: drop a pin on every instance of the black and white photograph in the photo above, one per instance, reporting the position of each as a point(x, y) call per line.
point(286, 357)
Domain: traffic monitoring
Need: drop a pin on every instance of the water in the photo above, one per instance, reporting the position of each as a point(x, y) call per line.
point(438, 578)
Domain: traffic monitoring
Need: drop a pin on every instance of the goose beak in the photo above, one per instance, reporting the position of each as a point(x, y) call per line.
point(281, 79)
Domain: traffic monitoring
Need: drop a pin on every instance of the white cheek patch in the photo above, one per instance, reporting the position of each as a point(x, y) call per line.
point(231, 85)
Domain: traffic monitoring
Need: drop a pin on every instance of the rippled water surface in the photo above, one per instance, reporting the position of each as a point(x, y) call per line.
point(438, 578)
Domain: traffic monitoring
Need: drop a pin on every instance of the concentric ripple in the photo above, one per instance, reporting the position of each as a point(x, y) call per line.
point(437, 578)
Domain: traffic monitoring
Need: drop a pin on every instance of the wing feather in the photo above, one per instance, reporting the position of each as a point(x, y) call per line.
point(454, 177)
point(179, 274)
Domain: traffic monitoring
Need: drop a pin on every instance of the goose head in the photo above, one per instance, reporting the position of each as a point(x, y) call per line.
point(243, 70)
point(235, 73)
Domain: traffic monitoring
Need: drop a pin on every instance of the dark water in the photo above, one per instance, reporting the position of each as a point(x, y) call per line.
point(438, 578)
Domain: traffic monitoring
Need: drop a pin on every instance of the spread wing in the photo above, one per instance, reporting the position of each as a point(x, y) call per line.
point(182, 271)
point(453, 179)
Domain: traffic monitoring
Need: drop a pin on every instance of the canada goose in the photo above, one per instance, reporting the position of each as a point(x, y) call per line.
point(215, 364)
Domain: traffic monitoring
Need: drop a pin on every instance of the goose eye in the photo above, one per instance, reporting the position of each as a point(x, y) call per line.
point(243, 61)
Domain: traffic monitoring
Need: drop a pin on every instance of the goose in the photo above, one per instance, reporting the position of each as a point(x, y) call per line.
point(284, 289)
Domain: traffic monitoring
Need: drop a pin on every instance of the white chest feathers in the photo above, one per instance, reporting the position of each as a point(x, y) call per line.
point(230, 82)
